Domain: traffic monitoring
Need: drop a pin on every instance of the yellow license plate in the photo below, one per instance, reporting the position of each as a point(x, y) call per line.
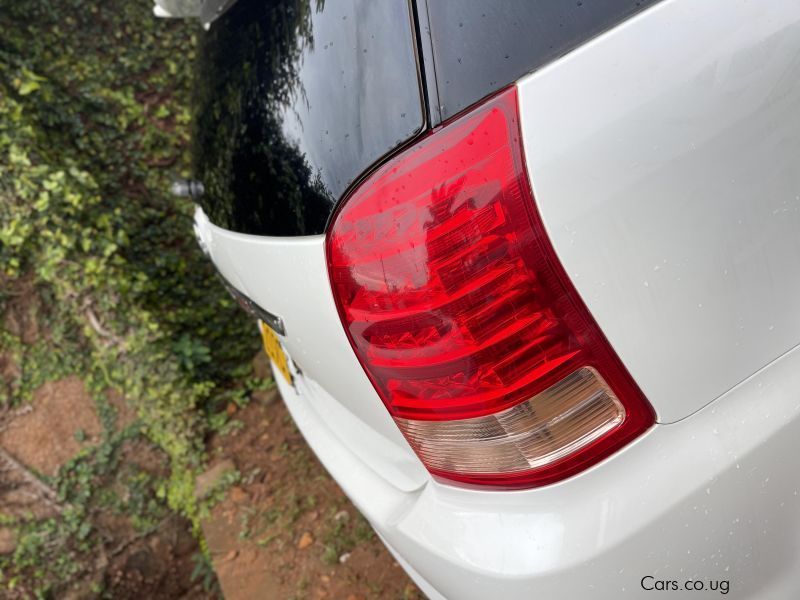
point(275, 352)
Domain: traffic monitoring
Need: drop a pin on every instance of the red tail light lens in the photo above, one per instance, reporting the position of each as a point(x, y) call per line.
point(464, 320)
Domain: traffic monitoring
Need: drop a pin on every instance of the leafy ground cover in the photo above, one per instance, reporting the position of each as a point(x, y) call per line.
point(94, 124)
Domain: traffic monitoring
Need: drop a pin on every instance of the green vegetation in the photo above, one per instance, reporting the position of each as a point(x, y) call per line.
point(342, 536)
point(94, 124)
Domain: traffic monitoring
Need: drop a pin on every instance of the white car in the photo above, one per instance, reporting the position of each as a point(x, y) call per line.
point(529, 274)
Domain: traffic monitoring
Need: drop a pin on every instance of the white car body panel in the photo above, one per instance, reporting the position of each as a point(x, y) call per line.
point(177, 9)
point(664, 158)
point(712, 498)
point(675, 137)
point(289, 277)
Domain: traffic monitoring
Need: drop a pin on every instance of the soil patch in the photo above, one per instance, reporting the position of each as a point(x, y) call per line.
point(62, 420)
point(287, 530)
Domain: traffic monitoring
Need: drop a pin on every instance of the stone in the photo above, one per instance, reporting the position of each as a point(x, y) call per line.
point(305, 541)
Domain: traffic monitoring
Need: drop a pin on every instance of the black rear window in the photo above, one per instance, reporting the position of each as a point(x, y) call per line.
point(294, 100)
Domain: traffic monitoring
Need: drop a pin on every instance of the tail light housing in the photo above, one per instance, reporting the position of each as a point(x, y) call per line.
point(464, 320)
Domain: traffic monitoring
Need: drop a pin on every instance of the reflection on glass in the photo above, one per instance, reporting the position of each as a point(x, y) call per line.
point(294, 99)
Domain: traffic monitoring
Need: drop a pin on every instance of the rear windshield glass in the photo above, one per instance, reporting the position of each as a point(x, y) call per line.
point(294, 100)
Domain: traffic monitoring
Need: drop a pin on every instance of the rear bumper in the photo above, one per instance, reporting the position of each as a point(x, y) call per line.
point(711, 498)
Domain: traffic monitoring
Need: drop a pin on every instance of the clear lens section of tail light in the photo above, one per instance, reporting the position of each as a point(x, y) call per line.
point(533, 434)
point(464, 320)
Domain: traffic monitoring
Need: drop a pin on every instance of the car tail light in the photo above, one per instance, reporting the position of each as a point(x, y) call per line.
point(464, 320)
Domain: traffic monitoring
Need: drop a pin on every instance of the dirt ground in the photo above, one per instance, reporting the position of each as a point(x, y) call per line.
point(283, 530)
point(286, 530)
point(46, 442)
point(38, 439)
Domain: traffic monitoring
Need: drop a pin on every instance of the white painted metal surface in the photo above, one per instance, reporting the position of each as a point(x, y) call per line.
point(665, 161)
point(664, 158)
point(289, 278)
point(177, 9)
point(712, 498)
